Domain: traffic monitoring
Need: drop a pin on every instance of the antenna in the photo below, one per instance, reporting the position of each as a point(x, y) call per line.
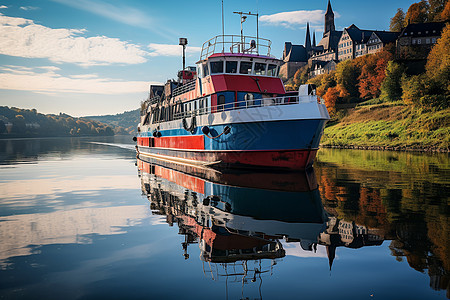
point(243, 16)
point(223, 31)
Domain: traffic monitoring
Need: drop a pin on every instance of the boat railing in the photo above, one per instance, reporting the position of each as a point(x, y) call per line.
point(189, 86)
point(276, 101)
point(235, 44)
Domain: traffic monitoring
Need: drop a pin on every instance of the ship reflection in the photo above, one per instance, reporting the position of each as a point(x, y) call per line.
point(241, 220)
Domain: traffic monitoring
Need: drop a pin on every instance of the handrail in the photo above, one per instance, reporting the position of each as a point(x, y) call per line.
point(276, 101)
point(189, 86)
point(234, 44)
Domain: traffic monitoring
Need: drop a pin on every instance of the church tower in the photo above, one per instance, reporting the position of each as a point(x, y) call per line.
point(308, 38)
point(329, 19)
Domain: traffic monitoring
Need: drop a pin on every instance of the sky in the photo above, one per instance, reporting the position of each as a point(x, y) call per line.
point(98, 57)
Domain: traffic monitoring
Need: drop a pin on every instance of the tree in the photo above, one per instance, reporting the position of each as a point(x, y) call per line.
point(300, 77)
point(438, 63)
point(331, 97)
point(397, 21)
point(2, 127)
point(347, 78)
point(391, 88)
point(445, 14)
point(417, 13)
point(435, 9)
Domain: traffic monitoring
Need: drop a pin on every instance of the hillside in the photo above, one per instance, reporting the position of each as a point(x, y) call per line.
point(17, 122)
point(127, 120)
point(390, 125)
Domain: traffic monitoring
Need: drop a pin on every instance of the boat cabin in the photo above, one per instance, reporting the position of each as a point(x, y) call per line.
point(222, 80)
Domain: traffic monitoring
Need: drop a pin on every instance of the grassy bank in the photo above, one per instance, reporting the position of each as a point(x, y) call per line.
point(389, 125)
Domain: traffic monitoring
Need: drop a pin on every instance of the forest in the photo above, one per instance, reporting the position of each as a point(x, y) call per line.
point(17, 122)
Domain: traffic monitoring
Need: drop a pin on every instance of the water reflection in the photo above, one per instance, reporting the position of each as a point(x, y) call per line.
point(74, 225)
point(404, 195)
point(238, 218)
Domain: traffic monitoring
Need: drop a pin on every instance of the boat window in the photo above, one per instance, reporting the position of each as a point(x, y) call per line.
point(272, 70)
point(221, 100)
point(260, 69)
point(216, 67)
point(205, 70)
point(231, 66)
point(246, 67)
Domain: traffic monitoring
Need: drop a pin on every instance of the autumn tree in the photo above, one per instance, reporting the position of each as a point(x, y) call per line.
point(445, 14)
point(438, 63)
point(397, 21)
point(417, 13)
point(300, 76)
point(435, 9)
point(391, 88)
point(331, 97)
point(372, 73)
point(347, 78)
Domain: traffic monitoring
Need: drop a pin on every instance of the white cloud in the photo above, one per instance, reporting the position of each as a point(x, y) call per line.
point(171, 50)
point(46, 80)
point(3, 6)
point(293, 18)
point(23, 38)
point(28, 8)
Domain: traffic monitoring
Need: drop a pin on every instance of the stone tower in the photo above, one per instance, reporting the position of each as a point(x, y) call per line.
point(308, 38)
point(329, 19)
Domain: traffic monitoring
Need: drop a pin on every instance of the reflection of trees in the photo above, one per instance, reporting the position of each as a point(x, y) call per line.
point(412, 211)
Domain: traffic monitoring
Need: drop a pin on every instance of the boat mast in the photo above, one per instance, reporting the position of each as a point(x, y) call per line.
point(243, 18)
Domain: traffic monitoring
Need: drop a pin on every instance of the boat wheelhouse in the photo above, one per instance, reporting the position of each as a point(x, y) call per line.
point(232, 111)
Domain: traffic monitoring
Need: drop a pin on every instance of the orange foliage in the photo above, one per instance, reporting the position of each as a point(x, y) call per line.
point(372, 73)
point(330, 98)
point(417, 13)
point(445, 14)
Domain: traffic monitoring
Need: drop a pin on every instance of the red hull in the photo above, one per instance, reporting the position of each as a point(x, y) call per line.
point(278, 159)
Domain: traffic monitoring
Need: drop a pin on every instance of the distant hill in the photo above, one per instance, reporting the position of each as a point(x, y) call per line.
point(127, 120)
point(18, 122)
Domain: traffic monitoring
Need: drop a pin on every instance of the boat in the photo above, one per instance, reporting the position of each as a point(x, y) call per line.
point(232, 111)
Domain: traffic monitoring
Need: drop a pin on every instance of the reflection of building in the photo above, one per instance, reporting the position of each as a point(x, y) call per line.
point(233, 223)
point(348, 234)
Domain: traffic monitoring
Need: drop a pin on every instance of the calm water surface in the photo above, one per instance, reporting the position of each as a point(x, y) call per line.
point(83, 219)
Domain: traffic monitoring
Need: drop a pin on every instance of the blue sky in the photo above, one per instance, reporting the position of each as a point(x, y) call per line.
point(95, 57)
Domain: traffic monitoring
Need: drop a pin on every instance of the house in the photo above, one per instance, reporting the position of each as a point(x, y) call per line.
point(416, 40)
point(353, 42)
point(294, 57)
point(322, 67)
point(379, 39)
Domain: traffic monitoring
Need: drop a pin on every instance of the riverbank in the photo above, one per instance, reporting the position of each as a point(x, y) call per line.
point(389, 126)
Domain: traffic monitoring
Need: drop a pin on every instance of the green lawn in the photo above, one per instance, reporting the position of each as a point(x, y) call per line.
point(390, 126)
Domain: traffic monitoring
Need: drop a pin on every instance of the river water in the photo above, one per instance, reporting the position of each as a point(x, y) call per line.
point(83, 219)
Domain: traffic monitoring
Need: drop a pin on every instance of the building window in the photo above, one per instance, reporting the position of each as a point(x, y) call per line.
point(433, 40)
point(414, 41)
point(419, 41)
point(427, 41)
